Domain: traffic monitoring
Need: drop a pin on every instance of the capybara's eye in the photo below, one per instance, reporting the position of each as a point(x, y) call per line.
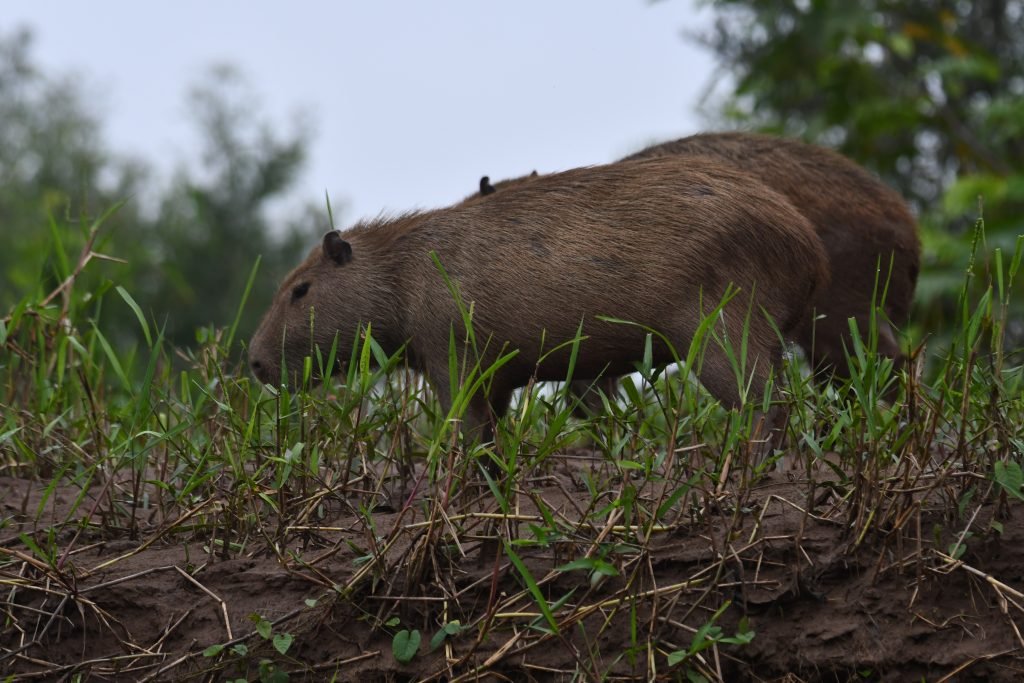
point(299, 291)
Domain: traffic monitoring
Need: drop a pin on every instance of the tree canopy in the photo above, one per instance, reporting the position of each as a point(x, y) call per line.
point(927, 93)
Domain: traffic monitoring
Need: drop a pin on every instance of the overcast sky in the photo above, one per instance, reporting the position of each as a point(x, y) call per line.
point(411, 101)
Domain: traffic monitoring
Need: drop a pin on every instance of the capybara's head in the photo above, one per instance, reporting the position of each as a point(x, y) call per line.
point(310, 308)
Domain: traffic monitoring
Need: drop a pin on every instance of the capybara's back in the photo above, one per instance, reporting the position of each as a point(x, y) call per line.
point(868, 232)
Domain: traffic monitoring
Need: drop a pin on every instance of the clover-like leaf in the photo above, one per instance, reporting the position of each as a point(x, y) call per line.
point(405, 645)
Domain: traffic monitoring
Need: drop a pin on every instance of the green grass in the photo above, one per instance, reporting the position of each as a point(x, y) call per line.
point(169, 447)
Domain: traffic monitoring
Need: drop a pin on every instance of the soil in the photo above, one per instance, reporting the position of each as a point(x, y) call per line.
point(825, 602)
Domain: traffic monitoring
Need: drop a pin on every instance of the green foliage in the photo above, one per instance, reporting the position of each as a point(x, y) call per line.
point(921, 90)
point(708, 635)
point(54, 174)
point(267, 670)
point(928, 93)
point(182, 252)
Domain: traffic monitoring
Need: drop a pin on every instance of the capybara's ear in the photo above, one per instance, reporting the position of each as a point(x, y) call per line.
point(485, 186)
point(534, 174)
point(337, 249)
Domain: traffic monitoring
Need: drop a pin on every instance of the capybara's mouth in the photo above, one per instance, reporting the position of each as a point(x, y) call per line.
point(293, 379)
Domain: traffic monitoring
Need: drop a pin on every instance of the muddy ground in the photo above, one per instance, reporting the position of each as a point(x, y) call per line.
point(825, 603)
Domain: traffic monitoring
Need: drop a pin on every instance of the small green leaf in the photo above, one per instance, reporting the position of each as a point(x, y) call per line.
point(264, 628)
point(138, 313)
point(452, 628)
point(311, 602)
point(213, 650)
point(437, 640)
point(31, 544)
point(1010, 477)
point(741, 638)
point(629, 465)
point(405, 645)
point(283, 641)
point(293, 453)
point(591, 564)
point(531, 585)
point(674, 497)
point(112, 358)
point(965, 501)
point(582, 563)
point(364, 354)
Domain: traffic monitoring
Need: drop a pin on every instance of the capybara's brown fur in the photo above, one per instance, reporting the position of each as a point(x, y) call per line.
point(657, 242)
point(868, 232)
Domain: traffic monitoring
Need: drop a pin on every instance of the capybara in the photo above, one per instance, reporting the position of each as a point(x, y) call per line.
point(868, 232)
point(657, 242)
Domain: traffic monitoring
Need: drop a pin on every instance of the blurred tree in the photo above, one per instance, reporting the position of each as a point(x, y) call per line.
point(188, 257)
point(52, 164)
point(928, 93)
point(924, 90)
point(212, 225)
